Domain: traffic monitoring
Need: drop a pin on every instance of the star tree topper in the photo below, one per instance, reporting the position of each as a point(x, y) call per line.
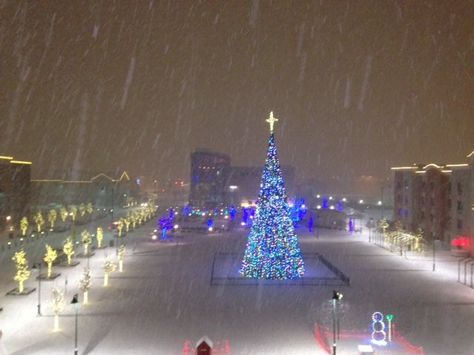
point(271, 121)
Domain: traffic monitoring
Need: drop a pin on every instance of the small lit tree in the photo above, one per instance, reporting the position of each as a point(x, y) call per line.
point(63, 213)
point(100, 237)
point(86, 240)
point(109, 267)
point(120, 227)
point(52, 216)
point(134, 219)
point(58, 306)
point(127, 222)
point(121, 257)
point(49, 258)
point(22, 273)
point(82, 210)
point(89, 209)
point(418, 247)
point(39, 220)
point(73, 212)
point(85, 284)
point(24, 226)
point(68, 249)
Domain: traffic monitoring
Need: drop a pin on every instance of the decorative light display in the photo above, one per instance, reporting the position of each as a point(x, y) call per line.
point(389, 318)
point(22, 272)
point(68, 249)
point(379, 336)
point(272, 250)
point(85, 284)
point(49, 258)
point(86, 241)
point(58, 306)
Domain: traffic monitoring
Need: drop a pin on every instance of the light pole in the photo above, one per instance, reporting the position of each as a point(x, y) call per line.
point(38, 266)
point(434, 254)
point(75, 302)
point(336, 296)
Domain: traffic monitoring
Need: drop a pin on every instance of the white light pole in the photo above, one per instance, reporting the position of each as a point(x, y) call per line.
point(75, 302)
point(336, 296)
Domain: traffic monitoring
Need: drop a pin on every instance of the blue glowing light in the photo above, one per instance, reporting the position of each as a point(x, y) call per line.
point(272, 250)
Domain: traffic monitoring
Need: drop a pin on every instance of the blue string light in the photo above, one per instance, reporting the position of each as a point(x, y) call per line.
point(272, 249)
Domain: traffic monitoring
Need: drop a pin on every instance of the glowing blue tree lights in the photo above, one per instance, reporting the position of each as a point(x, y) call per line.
point(272, 248)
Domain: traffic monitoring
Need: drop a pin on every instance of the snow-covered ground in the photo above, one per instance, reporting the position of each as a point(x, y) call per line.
point(164, 299)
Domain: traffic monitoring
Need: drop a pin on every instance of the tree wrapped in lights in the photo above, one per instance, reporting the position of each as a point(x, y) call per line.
point(85, 283)
point(49, 258)
point(120, 227)
point(86, 241)
point(89, 208)
point(58, 306)
point(63, 213)
point(108, 267)
point(127, 222)
point(121, 257)
point(68, 249)
point(82, 210)
point(272, 248)
point(73, 213)
point(134, 220)
point(24, 226)
point(39, 220)
point(52, 216)
point(99, 236)
point(22, 272)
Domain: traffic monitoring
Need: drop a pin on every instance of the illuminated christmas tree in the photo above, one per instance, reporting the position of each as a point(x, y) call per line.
point(272, 248)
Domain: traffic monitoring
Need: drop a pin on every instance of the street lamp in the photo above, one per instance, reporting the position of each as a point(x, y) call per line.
point(75, 302)
point(38, 266)
point(336, 296)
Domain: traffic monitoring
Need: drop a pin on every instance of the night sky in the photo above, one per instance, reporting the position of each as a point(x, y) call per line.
point(358, 86)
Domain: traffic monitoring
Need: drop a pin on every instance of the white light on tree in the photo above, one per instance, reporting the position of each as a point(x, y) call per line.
point(49, 258)
point(58, 306)
point(108, 267)
point(85, 284)
point(121, 257)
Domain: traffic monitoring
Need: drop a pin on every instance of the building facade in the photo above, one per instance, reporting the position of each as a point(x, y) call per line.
point(15, 176)
point(209, 176)
point(436, 198)
point(100, 190)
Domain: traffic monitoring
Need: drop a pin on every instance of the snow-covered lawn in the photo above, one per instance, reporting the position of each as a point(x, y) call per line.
point(164, 299)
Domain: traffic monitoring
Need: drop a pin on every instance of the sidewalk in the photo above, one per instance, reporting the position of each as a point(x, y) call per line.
point(441, 262)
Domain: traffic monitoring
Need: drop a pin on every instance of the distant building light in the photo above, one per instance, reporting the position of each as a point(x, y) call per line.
point(233, 187)
point(318, 207)
point(331, 207)
point(344, 199)
point(8, 218)
point(176, 226)
point(210, 229)
point(361, 202)
point(318, 196)
point(330, 197)
point(379, 203)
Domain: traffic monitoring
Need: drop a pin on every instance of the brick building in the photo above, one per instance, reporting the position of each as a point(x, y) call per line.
point(15, 176)
point(438, 198)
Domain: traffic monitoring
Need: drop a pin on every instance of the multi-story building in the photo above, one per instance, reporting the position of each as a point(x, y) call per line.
point(437, 198)
point(15, 176)
point(100, 190)
point(209, 176)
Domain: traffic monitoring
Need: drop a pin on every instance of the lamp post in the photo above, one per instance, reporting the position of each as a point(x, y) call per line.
point(75, 302)
point(38, 266)
point(336, 296)
point(434, 254)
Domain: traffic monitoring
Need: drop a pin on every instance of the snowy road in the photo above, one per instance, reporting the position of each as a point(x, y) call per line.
point(164, 298)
